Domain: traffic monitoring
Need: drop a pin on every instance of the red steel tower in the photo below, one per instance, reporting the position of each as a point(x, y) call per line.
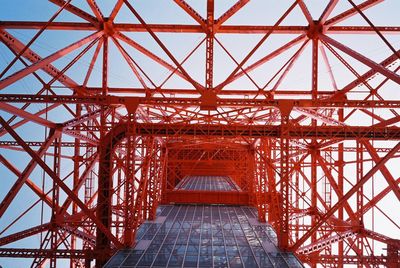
point(106, 106)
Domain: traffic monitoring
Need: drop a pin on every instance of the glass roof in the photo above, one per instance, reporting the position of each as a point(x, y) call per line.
point(204, 236)
point(207, 183)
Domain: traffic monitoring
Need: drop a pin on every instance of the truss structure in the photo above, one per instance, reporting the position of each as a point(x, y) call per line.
point(106, 107)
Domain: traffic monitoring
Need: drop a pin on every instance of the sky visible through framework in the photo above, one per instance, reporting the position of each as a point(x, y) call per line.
point(257, 12)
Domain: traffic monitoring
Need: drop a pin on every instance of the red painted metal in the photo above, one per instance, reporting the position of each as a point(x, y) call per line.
point(129, 147)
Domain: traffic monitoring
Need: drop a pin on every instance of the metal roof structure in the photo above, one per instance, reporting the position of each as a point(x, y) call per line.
point(107, 108)
point(204, 236)
point(207, 183)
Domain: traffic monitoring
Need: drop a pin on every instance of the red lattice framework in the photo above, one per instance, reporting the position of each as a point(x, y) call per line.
point(317, 160)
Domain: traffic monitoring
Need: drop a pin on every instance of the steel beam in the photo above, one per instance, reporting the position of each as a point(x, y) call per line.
point(112, 100)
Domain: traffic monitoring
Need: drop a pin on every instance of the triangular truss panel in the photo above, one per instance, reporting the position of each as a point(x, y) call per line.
point(107, 106)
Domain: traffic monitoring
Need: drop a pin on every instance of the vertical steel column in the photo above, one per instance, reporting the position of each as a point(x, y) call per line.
point(155, 178)
point(105, 66)
point(141, 193)
point(129, 238)
point(360, 174)
point(260, 180)
point(210, 45)
point(104, 193)
point(120, 177)
point(55, 201)
point(297, 198)
point(76, 159)
point(165, 178)
point(161, 174)
point(393, 254)
point(148, 149)
point(340, 163)
point(314, 74)
point(314, 153)
point(274, 210)
point(283, 232)
point(314, 188)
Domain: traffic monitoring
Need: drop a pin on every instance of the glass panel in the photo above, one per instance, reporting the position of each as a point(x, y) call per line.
point(204, 250)
point(161, 260)
point(235, 262)
point(166, 249)
point(153, 248)
point(190, 261)
point(291, 260)
point(220, 261)
point(205, 236)
point(117, 259)
point(192, 250)
point(264, 261)
point(179, 250)
point(218, 250)
point(175, 260)
point(232, 251)
point(147, 259)
point(245, 251)
point(205, 260)
point(278, 261)
point(132, 259)
point(207, 183)
point(249, 261)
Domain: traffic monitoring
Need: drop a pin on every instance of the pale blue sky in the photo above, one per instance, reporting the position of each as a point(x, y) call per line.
point(257, 12)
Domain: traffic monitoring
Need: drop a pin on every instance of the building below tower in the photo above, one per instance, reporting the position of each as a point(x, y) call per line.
point(188, 235)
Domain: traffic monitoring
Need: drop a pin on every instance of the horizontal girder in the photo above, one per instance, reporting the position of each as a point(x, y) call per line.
point(295, 132)
point(221, 102)
point(46, 253)
point(332, 259)
point(181, 28)
point(280, 130)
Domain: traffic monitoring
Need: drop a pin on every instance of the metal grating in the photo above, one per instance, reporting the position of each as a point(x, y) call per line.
point(207, 183)
point(205, 236)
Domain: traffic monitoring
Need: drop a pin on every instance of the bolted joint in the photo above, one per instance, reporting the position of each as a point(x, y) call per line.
point(108, 27)
point(314, 148)
point(78, 158)
point(315, 30)
point(209, 100)
point(339, 95)
point(285, 108)
point(131, 105)
point(269, 95)
point(131, 126)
